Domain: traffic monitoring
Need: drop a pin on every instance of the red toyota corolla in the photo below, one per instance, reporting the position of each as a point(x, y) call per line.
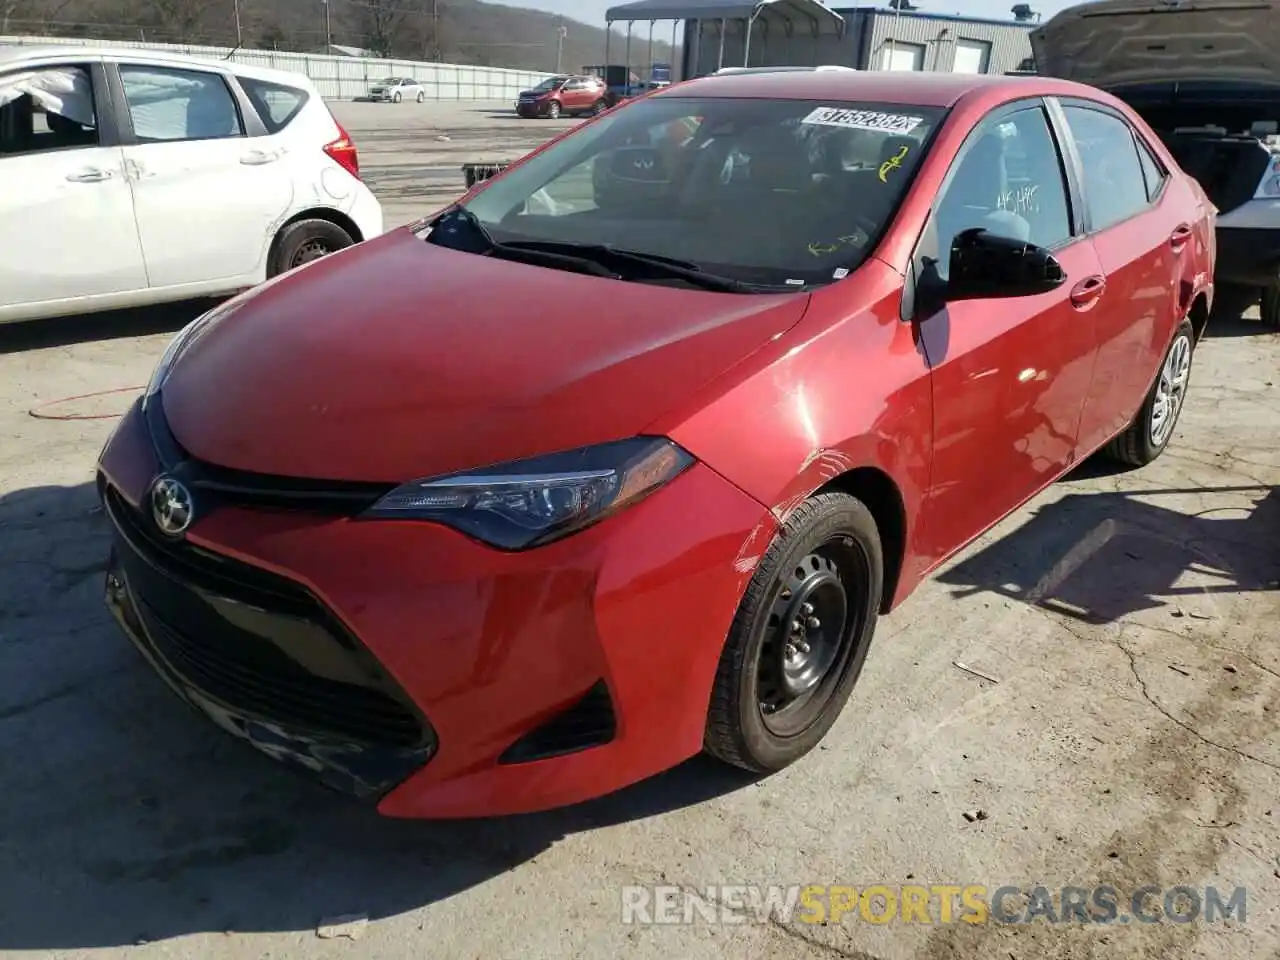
point(619, 458)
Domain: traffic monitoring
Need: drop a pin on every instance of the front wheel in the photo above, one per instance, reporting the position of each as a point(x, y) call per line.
point(1148, 435)
point(553, 111)
point(800, 636)
point(1269, 311)
point(396, 98)
point(305, 241)
point(421, 96)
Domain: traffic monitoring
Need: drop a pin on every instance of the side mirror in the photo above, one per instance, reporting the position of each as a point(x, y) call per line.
point(984, 264)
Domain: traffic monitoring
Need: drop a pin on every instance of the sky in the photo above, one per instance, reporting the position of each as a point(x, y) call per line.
point(592, 11)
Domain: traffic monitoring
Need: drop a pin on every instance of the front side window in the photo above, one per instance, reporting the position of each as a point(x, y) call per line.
point(777, 193)
point(1115, 187)
point(1009, 181)
point(169, 105)
point(48, 108)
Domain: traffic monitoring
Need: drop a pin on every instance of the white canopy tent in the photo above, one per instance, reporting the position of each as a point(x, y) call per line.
point(810, 16)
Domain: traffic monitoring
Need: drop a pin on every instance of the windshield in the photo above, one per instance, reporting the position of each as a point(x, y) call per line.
point(774, 193)
point(389, 82)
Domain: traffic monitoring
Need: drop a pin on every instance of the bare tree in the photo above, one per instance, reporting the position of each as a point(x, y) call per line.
point(381, 24)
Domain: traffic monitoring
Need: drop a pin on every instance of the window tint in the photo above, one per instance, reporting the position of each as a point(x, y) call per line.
point(169, 105)
point(1009, 181)
point(275, 103)
point(47, 109)
point(775, 192)
point(1151, 171)
point(1114, 185)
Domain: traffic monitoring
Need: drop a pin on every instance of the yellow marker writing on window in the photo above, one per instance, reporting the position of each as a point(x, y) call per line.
point(893, 163)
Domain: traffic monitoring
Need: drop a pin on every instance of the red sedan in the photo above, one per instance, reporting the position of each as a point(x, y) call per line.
point(619, 458)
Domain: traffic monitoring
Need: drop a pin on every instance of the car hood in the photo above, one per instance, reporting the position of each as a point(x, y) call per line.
point(399, 359)
point(1118, 42)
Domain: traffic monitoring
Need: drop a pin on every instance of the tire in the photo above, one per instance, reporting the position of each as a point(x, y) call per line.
point(1269, 311)
point(827, 550)
point(304, 241)
point(597, 108)
point(553, 110)
point(1149, 433)
point(395, 97)
point(421, 96)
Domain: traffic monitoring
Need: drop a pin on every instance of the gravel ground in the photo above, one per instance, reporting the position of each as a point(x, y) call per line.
point(1129, 620)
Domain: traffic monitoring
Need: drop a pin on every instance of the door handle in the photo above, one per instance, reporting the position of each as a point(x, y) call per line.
point(256, 158)
point(1181, 234)
point(91, 175)
point(1086, 293)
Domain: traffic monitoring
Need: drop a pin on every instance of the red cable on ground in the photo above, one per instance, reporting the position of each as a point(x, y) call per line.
point(35, 411)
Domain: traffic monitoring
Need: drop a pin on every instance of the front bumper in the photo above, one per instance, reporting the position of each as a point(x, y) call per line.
point(531, 108)
point(516, 682)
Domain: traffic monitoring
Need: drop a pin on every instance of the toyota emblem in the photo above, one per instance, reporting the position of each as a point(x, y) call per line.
point(171, 506)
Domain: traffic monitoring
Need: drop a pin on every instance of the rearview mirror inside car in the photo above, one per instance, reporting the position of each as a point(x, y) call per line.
point(985, 264)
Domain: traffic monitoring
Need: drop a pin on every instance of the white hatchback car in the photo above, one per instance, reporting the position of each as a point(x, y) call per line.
point(396, 89)
point(129, 178)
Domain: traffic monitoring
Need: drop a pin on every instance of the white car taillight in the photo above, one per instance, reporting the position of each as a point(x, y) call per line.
point(1269, 187)
point(343, 152)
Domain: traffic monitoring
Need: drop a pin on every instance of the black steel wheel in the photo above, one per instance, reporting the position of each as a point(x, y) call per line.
point(800, 637)
point(304, 241)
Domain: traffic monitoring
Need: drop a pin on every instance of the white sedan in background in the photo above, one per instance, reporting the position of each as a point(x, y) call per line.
point(133, 178)
point(396, 89)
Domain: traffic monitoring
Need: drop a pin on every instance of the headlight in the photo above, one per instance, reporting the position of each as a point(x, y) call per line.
point(531, 502)
point(183, 339)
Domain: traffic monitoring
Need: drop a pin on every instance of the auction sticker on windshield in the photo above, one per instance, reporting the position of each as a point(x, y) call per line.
point(863, 120)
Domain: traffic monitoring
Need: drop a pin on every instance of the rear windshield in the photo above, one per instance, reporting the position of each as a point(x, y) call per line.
point(276, 103)
point(773, 192)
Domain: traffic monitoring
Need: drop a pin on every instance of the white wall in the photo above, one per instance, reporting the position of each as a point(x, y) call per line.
point(343, 78)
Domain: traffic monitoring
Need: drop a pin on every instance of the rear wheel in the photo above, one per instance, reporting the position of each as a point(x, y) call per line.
point(305, 241)
point(598, 108)
point(1269, 311)
point(553, 110)
point(1150, 432)
point(800, 636)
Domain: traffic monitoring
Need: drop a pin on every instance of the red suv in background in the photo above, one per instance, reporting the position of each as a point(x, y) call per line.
point(558, 96)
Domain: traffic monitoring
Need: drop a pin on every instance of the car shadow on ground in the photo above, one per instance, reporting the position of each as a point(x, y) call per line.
point(125, 816)
point(108, 325)
point(1101, 556)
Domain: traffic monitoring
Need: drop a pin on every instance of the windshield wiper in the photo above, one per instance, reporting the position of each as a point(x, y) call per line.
point(505, 251)
point(662, 266)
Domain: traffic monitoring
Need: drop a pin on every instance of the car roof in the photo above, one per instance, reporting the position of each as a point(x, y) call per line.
point(33, 55)
point(925, 89)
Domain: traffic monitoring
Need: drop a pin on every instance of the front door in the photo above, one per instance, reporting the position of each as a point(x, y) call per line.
point(67, 229)
point(1010, 375)
point(207, 197)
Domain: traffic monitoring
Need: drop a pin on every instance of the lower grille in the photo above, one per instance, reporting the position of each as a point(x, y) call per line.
point(257, 643)
point(590, 722)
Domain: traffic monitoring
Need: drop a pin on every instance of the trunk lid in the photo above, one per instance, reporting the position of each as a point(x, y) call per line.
point(1119, 42)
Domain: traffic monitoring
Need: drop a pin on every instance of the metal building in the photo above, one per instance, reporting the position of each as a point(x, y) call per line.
point(723, 33)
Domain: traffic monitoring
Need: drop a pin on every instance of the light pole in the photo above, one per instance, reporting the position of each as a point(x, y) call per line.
point(328, 33)
point(239, 35)
point(561, 32)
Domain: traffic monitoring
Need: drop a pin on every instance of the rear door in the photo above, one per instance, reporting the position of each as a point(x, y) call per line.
point(1141, 237)
point(208, 184)
point(66, 211)
point(1009, 375)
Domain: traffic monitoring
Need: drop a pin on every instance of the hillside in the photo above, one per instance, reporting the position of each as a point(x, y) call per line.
point(454, 31)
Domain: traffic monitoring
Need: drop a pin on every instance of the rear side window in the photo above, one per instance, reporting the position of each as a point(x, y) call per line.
point(276, 103)
point(1151, 170)
point(49, 108)
point(169, 105)
point(1114, 182)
